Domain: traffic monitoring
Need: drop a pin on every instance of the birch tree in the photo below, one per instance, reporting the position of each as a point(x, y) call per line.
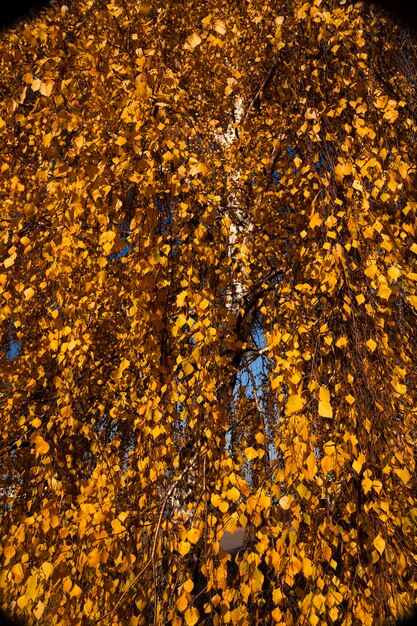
point(208, 248)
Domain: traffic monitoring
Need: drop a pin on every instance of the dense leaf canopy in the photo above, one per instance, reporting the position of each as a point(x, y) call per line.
point(208, 320)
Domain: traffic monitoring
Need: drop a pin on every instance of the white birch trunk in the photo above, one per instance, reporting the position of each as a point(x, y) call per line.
point(240, 227)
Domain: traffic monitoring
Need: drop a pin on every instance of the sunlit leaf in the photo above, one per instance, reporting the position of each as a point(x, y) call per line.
point(191, 616)
point(294, 404)
point(182, 602)
point(184, 548)
point(285, 502)
point(325, 409)
point(47, 568)
point(42, 446)
point(193, 535)
point(379, 544)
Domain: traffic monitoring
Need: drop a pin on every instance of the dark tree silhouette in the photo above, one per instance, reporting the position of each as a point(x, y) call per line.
point(5, 621)
point(411, 620)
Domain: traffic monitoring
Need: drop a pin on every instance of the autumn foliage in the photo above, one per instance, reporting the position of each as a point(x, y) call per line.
point(208, 314)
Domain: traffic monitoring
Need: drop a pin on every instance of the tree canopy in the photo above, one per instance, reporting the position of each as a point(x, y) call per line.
point(208, 321)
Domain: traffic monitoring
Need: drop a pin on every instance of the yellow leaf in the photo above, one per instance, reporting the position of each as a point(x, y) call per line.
point(9, 552)
point(384, 292)
point(260, 438)
point(329, 448)
point(120, 141)
point(8, 262)
point(371, 270)
point(188, 368)
point(188, 586)
point(39, 610)
point(41, 446)
point(294, 404)
point(251, 453)
point(32, 588)
point(124, 364)
point(193, 535)
point(366, 484)
point(46, 140)
point(18, 573)
point(394, 272)
point(358, 463)
point(391, 116)
point(334, 613)
point(46, 88)
point(47, 568)
point(66, 584)
point(285, 502)
point(276, 382)
point(377, 486)
point(71, 345)
point(350, 399)
point(256, 581)
point(360, 298)
point(324, 394)
point(75, 591)
point(117, 526)
point(244, 592)
point(94, 557)
point(340, 343)
point(182, 602)
point(302, 490)
point(327, 463)
point(35, 86)
point(191, 616)
point(22, 601)
point(379, 544)
point(28, 293)
point(341, 170)
point(325, 410)
point(264, 501)
point(233, 494)
point(413, 248)
point(315, 220)
point(403, 474)
point(216, 500)
point(371, 344)
point(79, 141)
point(182, 297)
point(194, 40)
point(203, 168)
point(184, 547)
point(220, 27)
point(307, 566)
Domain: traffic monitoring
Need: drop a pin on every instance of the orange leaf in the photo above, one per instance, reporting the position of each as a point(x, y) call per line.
point(41, 446)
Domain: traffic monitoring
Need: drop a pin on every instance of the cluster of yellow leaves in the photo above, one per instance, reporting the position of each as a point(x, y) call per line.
point(208, 283)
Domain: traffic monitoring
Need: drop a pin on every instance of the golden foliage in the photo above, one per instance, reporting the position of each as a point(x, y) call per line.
point(208, 283)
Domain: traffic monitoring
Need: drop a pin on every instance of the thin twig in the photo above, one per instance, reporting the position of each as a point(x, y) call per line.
point(261, 88)
point(153, 551)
